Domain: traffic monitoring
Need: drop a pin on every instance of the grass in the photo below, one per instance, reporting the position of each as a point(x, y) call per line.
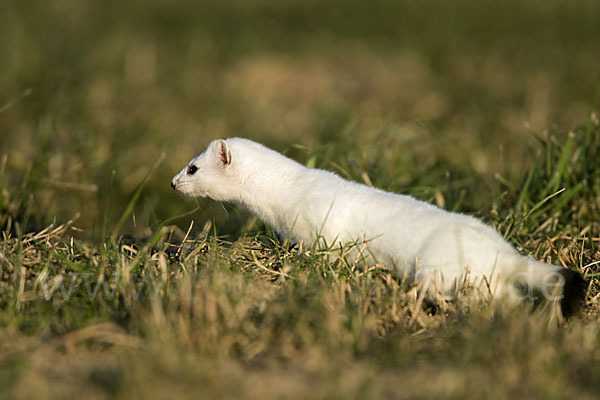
point(113, 286)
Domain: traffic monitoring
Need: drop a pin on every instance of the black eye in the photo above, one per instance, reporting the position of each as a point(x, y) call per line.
point(192, 170)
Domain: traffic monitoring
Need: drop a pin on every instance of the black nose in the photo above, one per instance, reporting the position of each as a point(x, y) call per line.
point(173, 184)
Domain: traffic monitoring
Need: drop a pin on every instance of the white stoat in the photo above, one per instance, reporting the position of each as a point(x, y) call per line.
point(417, 238)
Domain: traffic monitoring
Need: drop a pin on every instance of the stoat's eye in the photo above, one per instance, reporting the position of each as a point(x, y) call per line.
point(192, 170)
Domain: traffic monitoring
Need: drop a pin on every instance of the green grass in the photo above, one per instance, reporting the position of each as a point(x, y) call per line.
point(111, 285)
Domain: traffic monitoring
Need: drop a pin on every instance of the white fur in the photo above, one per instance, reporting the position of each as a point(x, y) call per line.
point(307, 204)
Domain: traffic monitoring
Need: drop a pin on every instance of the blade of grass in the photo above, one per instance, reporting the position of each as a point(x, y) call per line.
point(108, 194)
point(136, 195)
point(524, 195)
point(73, 266)
point(534, 208)
point(564, 199)
point(561, 166)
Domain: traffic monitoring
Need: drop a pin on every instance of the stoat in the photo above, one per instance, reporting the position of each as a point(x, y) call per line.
point(417, 239)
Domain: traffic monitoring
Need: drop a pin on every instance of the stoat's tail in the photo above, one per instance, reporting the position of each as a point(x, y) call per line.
point(533, 279)
point(574, 292)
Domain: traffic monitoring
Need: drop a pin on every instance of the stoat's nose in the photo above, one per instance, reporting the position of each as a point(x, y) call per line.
point(173, 184)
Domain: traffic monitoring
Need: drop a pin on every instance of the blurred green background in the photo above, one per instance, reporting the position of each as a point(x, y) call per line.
point(424, 97)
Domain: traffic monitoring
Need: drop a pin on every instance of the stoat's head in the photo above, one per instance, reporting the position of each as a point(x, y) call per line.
point(211, 174)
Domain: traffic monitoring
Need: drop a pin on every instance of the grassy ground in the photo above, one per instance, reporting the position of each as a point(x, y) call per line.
point(111, 285)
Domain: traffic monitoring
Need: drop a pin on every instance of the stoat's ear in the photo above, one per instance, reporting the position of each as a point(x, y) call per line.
point(224, 153)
